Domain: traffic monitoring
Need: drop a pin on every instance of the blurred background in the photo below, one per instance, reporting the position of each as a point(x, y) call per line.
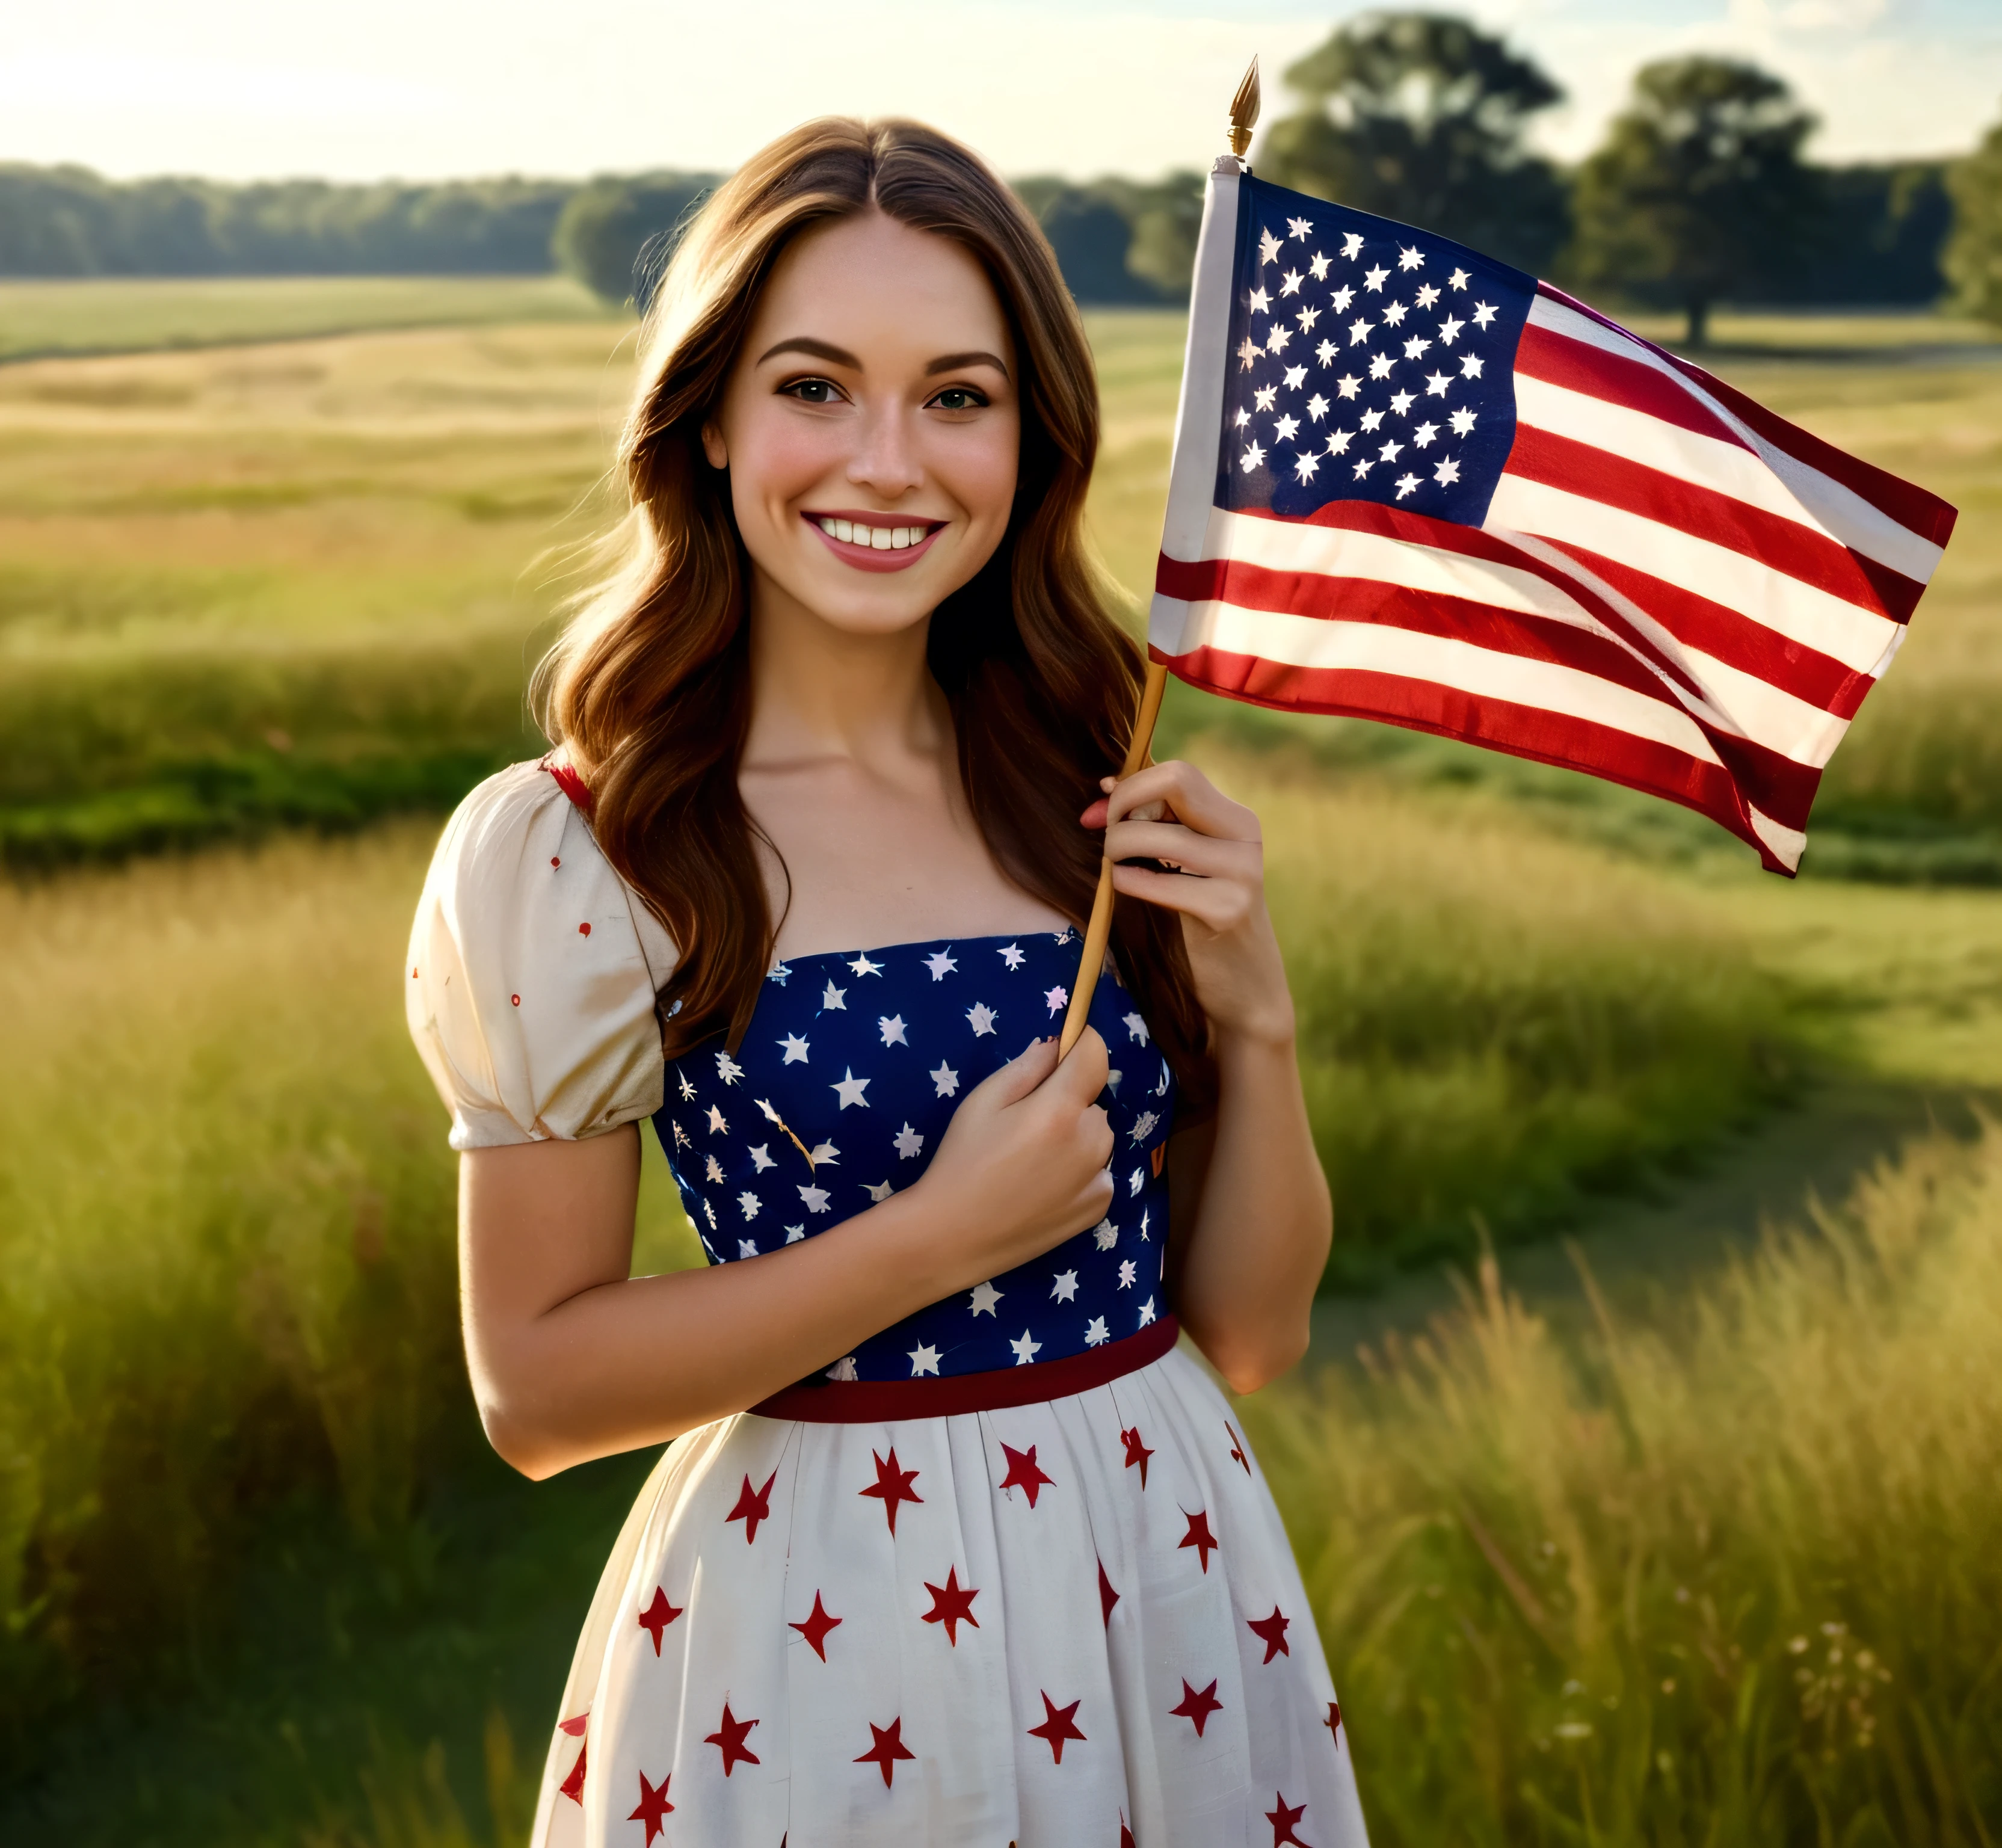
point(1644, 1472)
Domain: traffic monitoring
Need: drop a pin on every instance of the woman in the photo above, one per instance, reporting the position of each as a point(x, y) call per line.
point(954, 1546)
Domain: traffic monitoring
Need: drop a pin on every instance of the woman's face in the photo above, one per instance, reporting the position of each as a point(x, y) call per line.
point(872, 426)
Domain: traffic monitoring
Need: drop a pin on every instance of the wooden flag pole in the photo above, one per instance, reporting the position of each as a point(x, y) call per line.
point(1098, 932)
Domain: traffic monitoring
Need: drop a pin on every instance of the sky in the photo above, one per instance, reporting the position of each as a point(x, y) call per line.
point(431, 88)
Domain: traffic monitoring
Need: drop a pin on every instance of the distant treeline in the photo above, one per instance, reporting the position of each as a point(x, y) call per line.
point(1120, 241)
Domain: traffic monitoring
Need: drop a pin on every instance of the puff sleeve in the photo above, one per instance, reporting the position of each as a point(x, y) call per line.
point(533, 972)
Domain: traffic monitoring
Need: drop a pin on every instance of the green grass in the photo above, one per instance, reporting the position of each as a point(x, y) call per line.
point(125, 314)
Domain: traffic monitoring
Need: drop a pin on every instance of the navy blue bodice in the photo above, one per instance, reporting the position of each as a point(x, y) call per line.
point(851, 1069)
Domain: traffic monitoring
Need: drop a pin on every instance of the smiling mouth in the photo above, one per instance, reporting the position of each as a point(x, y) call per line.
point(875, 542)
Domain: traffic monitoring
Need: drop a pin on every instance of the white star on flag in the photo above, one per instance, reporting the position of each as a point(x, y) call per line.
point(1469, 365)
point(924, 1359)
point(1450, 329)
point(1096, 1333)
point(984, 1298)
point(681, 1137)
point(1422, 437)
point(717, 1124)
point(1447, 472)
point(1027, 1347)
point(1317, 407)
point(1144, 1239)
point(1304, 465)
point(863, 966)
point(1427, 295)
point(1289, 283)
point(1410, 257)
point(1352, 245)
point(1393, 313)
point(982, 1017)
point(1299, 228)
point(816, 1199)
point(1373, 279)
point(1359, 330)
point(1462, 421)
point(1325, 352)
point(779, 973)
point(849, 1089)
point(1379, 366)
point(761, 1158)
point(1252, 458)
point(1458, 279)
point(941, 963)
point(945, 1079)
point(1319, 266)
point(907, 1142)
point(1401, 402)
point(795, 1050)
point(834, 998)
point(1247, 351)
point(1268, 245)
point(1372, 420)
point(1406, 484)
point(1107, 1233)
point(727, 1068)
point(891, 1027)
point(1483, 314)
point(1065, 1286)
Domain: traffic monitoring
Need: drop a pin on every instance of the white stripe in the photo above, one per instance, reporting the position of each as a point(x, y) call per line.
point(1785, 843)
point(1839, 511)
point(1483, 673)
point(1205, 365)
point(1734, 701)
point(1704, 462)
point(1730, 699)
point(1855, 636)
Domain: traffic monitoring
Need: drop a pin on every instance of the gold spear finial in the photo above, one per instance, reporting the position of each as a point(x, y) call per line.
point(1244, 110)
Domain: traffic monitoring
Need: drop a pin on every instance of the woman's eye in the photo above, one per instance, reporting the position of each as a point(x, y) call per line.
point(811, 391)
point(959, 397)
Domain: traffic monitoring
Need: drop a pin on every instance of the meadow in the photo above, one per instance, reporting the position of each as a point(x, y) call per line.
point(255, 601)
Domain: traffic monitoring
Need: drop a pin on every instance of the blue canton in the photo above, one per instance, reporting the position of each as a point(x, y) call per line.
point(851, 1070)
point(1369, 362)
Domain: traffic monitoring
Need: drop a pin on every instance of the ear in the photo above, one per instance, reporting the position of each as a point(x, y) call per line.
point(713, 446)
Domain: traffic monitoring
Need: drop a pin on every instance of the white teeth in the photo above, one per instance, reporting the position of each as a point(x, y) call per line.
point(879, 538)
point(901, 536)
point(831, 528)
point(844, 529)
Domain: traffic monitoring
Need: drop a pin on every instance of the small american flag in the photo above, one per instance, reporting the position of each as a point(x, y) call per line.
point(1410, 484)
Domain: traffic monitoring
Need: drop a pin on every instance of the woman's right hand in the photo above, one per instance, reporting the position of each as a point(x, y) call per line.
point(1023, 1164)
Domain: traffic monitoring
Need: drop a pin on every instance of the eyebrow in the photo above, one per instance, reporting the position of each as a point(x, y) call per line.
point(840, 356)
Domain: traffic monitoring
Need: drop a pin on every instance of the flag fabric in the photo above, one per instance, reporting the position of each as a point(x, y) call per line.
point(1413, 484)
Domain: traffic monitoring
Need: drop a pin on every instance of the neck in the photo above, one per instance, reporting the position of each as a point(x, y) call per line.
point(819, 691)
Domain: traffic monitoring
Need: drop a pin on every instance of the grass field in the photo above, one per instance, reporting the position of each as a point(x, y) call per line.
point(129, 313)
point(260, 1582)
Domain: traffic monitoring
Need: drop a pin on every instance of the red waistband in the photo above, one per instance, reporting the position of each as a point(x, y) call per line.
point(878, 1401)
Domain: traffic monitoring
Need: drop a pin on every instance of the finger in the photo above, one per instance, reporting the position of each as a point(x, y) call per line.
point(1194, 798)
point(1024, 1073)
point(1220, 905)
point(1081, 1075)
point(1201, 854)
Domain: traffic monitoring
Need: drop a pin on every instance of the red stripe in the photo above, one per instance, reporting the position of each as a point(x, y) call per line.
point(1912, 506)
point(571, 784)
point(1578, 366)
point(1522, 731)
point(1783, 545)
point(879, 1401)
point(1325, 598)
point(1723, 634)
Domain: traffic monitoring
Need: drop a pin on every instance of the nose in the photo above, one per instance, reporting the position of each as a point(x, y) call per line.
point(886, 458)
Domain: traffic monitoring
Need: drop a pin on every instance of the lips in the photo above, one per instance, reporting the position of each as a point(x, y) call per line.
point(875, 542)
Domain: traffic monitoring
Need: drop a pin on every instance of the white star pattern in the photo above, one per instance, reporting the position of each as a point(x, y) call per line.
point(712, 1170)
point(1129, 1274)
point(1027, 1347)
point(908, 1142)
point(1143, 1125)
point(1253, 457)
point(795, 1050)
point(1107, 1234)
point(747, 1248)
point(761, 1158)
point(1268, 247)
point(1261, 301)
point(1286, 428)
point(1447, 472)
point(1096, 1333)
point(984, 1298)
point(794, 1234)
point(1136, 1180)
point(816, 1199)
point(749, 1204)
point(878, 1190)
point(863, 966)
point(1318, 268)
point(1352, 245)
point(1458, 279)
point(688, 1089)
point(1462, 421)
point(1299, 228)
point(834, 998)
point(945, 1079)
point(825, 1156)
point(1373, 279)
point(891, 1027)
point(982, 1018)
point(1136, 1028)
point(681, 1137)
point(1304, 466)
point(924, 1359)
point(1011, 954)
point(1065, 1286)
point(941, 964)
point(1289, 283)
point(1146, 1312)
point(1407, 483)
point(1056, 997)
point(1483, 314)
point(717, 1124)
point(850, 1088)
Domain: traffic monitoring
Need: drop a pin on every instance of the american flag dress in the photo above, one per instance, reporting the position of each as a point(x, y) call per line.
point(1008, 1573)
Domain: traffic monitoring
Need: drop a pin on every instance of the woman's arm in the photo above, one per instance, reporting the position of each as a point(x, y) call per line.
point(1253, 1217)
point(572, 1359)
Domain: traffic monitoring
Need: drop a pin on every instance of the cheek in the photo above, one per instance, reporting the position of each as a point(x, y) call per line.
point(774, 459)
point(982, 473)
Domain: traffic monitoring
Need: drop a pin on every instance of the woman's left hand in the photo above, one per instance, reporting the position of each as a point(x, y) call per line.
point(1173, 814)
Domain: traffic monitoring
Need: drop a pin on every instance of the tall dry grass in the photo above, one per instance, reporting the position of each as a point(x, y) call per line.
point(1735, 1582)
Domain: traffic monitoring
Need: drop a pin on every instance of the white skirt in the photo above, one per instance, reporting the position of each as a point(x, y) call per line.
point(1072, 1622)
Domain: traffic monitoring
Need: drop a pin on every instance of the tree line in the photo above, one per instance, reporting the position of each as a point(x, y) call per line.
point(1701, 192)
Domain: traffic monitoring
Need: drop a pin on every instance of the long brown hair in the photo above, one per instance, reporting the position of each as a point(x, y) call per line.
point(649, 687)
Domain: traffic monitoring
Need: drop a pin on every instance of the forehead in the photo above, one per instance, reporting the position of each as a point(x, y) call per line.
point(871, 280)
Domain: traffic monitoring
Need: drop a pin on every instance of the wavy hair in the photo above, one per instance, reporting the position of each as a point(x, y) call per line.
point(649, 688)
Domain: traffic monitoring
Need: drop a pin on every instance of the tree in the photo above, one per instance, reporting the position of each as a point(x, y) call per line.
point(616, 234)
point(1700, 192)
point(1421, 117)
point(1974, 251)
